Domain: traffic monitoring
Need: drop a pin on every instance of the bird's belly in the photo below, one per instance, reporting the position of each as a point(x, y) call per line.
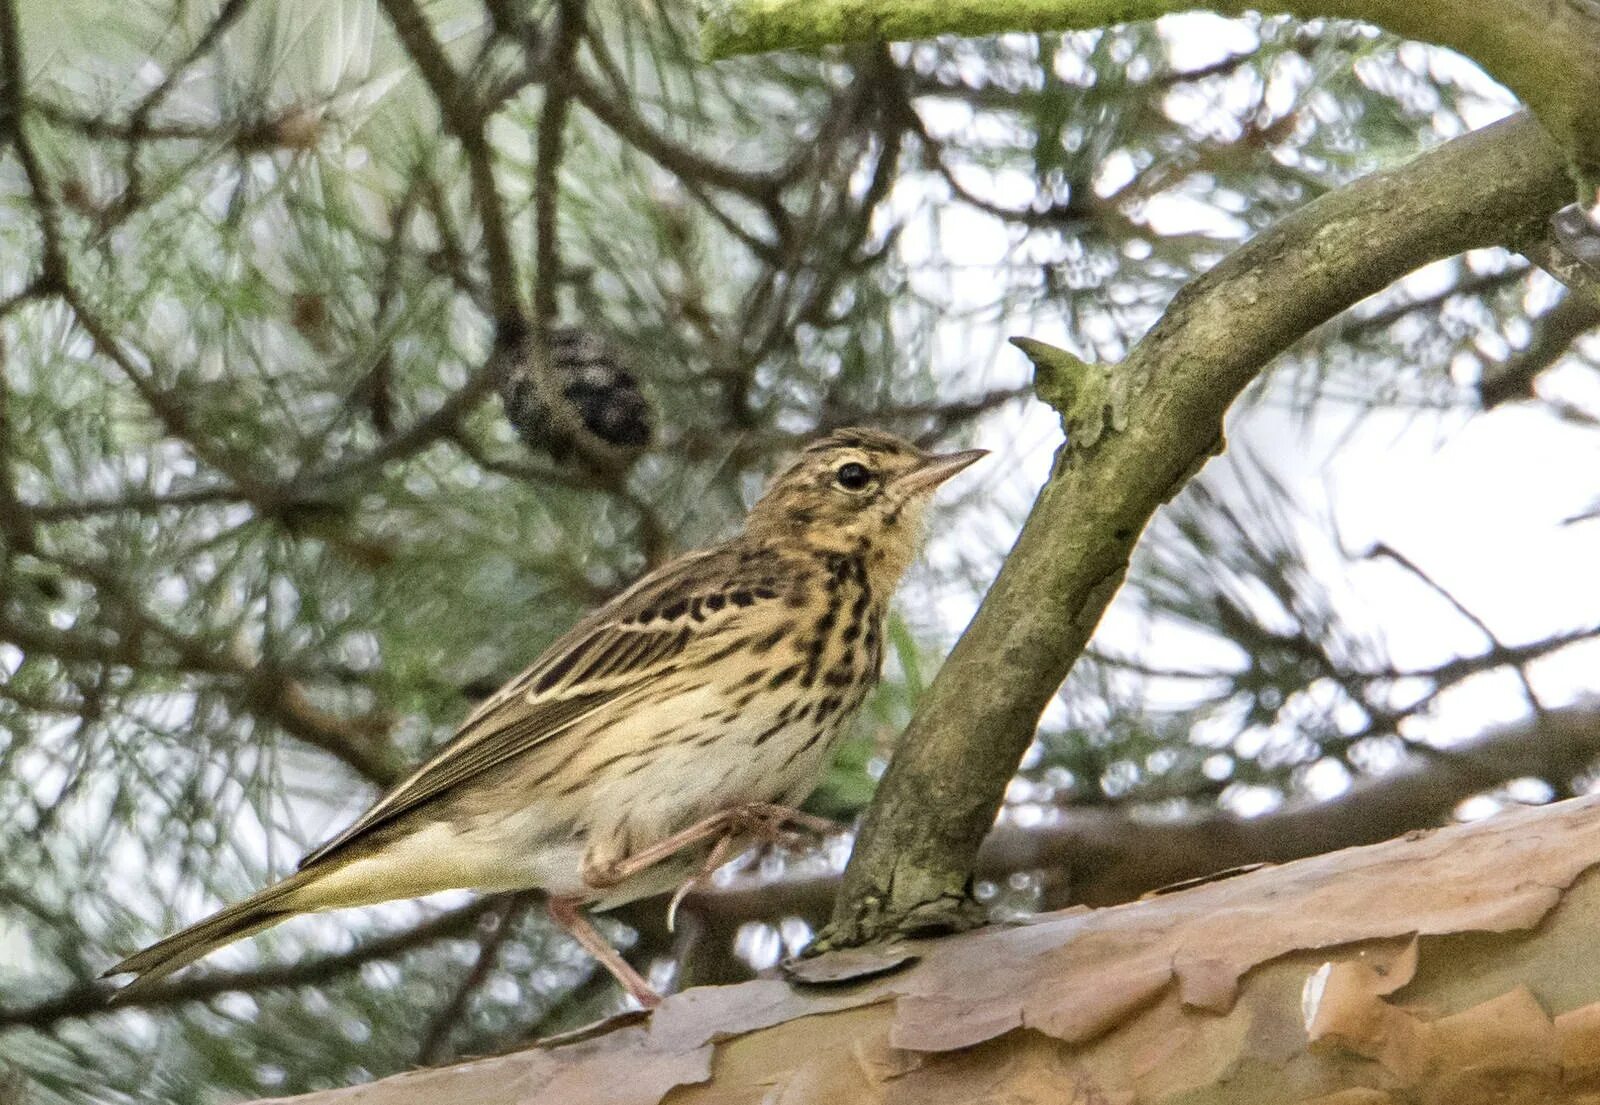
point(637, 782)
point(700, 772)
point(516, 852)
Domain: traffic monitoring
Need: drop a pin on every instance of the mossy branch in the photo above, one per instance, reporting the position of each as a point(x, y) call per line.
point(1090, 398)
point(1546, 51)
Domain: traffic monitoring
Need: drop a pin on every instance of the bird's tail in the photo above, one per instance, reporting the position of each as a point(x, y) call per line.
point(260, 911)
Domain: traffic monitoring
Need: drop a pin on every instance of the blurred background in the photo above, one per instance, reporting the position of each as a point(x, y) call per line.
point(279, 502)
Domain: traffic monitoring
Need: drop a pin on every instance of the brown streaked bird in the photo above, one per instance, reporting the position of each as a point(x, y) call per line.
point(694, 708)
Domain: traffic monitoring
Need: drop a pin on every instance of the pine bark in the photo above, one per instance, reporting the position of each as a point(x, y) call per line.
point(1440, 967)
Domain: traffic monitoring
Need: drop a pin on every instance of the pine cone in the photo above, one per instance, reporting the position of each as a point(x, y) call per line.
point(589, 405)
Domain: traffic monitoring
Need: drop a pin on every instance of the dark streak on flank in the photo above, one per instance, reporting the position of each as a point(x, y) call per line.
point(769, 732)
point(770, 641)
point(727, 650)
point(874, 646)
point(816, 735)
point(783, 675)
point(586, 779)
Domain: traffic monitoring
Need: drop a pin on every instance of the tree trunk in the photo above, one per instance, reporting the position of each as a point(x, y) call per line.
point(1451, 966)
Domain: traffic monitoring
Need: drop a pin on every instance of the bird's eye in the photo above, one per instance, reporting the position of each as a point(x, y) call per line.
point(853, 476)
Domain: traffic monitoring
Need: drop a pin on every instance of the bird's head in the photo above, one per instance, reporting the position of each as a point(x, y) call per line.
point(858, 490)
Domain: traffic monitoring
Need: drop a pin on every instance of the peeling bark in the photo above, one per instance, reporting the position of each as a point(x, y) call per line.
point(1452, 966)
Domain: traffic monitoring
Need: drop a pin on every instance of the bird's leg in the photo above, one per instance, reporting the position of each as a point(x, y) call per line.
point(610, 873)
point(718, 856)
point(763, 818)
point(565, 912)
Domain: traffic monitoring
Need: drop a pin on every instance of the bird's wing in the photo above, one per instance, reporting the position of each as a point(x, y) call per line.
point(604, 663)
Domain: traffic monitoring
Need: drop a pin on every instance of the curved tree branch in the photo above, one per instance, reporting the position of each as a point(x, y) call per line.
point(1138, 431)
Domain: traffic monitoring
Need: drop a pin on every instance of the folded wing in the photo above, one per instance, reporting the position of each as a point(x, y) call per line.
point(605, 663)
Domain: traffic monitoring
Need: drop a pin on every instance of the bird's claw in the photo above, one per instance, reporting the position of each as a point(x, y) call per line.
point(600, 876)
point(773, 824)
point(779, 824)
point(678, 896)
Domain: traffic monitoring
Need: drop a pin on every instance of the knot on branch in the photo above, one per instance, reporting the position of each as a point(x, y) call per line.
point(1090, 398)
point(881, 921)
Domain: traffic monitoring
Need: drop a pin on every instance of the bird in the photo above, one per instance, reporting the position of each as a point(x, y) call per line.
point(692, 711)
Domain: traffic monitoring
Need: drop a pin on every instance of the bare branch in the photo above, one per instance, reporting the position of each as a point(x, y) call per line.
point(13, 128)
point(466, 120)
point(548, 150)
point(1554, 334)
point(616, 113)
point(493, 929)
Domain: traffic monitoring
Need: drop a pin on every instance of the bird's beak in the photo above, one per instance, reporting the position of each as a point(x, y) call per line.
point(935, 470)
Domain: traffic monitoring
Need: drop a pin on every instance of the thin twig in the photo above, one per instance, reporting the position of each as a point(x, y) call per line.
point(1389, 552)
point(549, 149)
point(465, 119)
point(494, 928)
point(13, 101)
point(139, 120)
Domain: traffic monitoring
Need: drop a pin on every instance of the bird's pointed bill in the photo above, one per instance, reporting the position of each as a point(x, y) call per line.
point(935, 470)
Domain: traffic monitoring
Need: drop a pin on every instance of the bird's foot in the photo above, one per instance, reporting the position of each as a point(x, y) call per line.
point(771, 823)
point(775, 824)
